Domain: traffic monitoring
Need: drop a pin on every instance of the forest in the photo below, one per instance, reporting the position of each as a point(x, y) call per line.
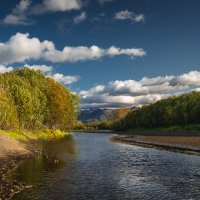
point(100, 119)
point(182, 110)
point(31, 101)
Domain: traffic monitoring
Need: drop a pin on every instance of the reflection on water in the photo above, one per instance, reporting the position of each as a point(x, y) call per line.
point(94, 168)
point(61, 148)
point(35, 172)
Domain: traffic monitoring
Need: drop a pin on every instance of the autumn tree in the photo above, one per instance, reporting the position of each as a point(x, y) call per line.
point(33, 101)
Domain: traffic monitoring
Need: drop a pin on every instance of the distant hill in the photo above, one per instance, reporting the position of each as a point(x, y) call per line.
point(94, 115)
point(103, 115)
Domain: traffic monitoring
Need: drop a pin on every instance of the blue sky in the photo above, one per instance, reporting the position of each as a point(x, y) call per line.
point(122, 42)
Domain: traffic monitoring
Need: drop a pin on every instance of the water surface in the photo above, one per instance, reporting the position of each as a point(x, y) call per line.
point(91, 167)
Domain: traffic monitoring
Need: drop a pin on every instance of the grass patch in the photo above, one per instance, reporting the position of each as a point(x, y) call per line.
point(48, 134)
point(14, 135)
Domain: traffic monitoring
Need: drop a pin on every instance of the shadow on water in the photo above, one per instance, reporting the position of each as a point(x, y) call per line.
point(37, 171)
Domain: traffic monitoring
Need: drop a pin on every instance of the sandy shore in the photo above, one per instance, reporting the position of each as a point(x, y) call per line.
point(11, 152)
point(184, 144)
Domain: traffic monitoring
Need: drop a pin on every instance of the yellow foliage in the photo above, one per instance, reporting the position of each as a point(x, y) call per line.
point(48, 134)
point(14, 135)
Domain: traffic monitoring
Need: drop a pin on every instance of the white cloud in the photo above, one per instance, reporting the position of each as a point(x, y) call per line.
point(15, 20)
point(139, 18)
point(95, 90)
point(42, 68)
point(114, 51)
point(4, 69)
point(136, 93)
point(20, 48)
point(56, 6)
point(82, 53)
point(192, 78)
point(18, 14)
point(127, 15)
point(80, 18)
point(61, 78)
point(66, 80)
point(73, 54)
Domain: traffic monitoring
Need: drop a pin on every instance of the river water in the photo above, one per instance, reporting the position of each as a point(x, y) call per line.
point(91, 167)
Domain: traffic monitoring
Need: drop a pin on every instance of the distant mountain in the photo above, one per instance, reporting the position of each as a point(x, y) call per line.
point(102, 115)
point(95, 115)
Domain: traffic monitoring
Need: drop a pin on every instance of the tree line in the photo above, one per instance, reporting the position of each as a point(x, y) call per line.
point(107, 122)
point(179, 110)
point(30, 100)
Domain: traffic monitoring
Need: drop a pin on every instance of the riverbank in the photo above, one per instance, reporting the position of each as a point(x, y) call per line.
point(184, 144)
point(93, 131)
point(12, 152)
point(16, 147)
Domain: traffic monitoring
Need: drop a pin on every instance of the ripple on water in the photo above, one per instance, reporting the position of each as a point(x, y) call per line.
point(96, 168)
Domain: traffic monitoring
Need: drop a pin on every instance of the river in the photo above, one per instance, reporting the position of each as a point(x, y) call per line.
point(92, 167)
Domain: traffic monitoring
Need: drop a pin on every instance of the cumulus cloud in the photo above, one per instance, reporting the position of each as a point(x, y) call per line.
point(4, 69)
point(80, 18)
point(127, 15)
point(18, 14)
point(136, 93)
point(42, 68)
point(20, 48)
point(66, 80)
point(114, 51)
point(56, 6)
point(47, 70)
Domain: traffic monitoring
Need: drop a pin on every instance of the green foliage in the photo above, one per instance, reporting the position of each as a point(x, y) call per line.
point(14, 135)
point(29, 100)
point(48, 134)
point(78, 125)
point(180, 110)
point(62, 106)
point(105, 125)
point(114, 117)
point(103, 115)
point(8, 118)
point(105, 119)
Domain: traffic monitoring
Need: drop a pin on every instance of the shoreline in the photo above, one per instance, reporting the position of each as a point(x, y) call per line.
point(179, 144)
point(12, 153)
point(93, 131)
point(10, 160)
